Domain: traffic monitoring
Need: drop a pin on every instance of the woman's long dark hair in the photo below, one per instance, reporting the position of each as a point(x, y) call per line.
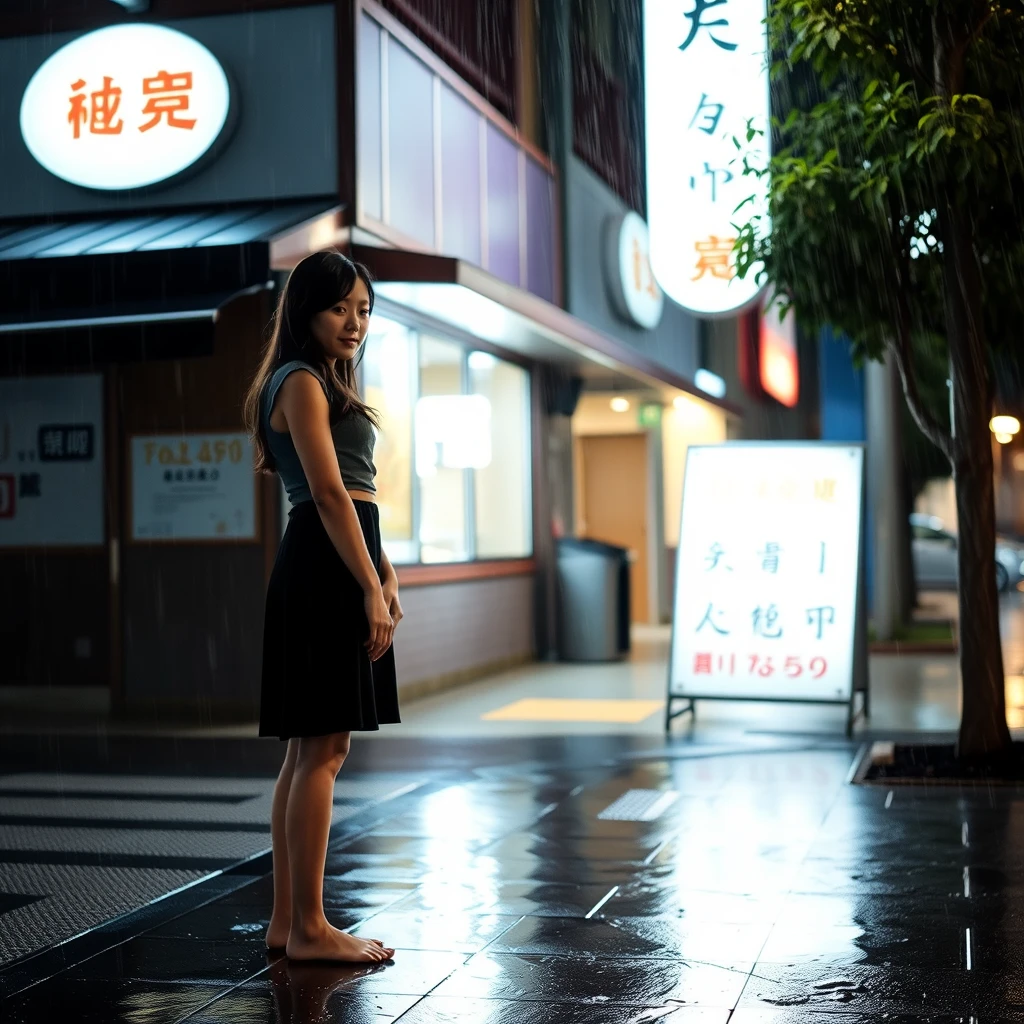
point(317, 283)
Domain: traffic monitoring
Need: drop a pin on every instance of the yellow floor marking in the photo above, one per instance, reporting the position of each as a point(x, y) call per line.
point(553, 709)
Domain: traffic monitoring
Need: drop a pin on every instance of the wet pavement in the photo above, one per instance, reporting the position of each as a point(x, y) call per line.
point(537, 850)
point(610, 879)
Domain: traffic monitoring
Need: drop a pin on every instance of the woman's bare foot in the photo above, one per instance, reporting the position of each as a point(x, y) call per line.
point(330, 943)
point(277, 933)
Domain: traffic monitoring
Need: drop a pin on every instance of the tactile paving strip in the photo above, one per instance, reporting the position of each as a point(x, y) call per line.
point(48, 820)
point(74, 899)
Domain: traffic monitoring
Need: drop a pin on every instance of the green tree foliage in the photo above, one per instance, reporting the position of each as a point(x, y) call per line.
point(894, 204)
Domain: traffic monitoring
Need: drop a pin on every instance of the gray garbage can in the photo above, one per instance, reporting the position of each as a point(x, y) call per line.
point(593, 600)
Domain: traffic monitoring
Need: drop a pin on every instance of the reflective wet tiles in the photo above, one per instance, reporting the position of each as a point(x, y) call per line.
point(762, 889)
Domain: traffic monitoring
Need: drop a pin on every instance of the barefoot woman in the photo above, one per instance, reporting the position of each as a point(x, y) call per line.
point(332, 603)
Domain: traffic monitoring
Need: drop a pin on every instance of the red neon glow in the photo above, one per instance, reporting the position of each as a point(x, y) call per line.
point(780, 369)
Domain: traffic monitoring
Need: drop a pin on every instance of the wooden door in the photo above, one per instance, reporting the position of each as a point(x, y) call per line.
point(614, 504)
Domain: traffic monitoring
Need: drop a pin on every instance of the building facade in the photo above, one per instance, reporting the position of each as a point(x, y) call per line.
point(138, 272)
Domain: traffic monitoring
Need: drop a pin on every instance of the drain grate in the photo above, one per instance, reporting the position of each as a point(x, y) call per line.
point(640, 805)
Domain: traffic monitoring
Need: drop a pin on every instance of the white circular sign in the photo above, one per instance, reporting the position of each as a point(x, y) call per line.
point(635, 293)
point(125, 107)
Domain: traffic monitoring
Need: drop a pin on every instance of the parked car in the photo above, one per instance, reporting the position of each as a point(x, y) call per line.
point(935, 559)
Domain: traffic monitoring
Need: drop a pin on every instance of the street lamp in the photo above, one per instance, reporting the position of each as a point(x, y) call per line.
point(1004, 427)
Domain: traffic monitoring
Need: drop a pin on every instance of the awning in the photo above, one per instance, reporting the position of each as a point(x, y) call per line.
point(123, 288)
point(453, 293)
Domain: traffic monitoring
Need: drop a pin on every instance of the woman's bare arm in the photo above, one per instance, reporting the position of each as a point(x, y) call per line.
point(307, 413)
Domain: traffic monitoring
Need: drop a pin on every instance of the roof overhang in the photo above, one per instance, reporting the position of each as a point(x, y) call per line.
point(134, 287)
point(450, 292)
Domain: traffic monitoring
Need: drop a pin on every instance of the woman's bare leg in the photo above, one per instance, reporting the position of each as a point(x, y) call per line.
point(307, 826)
point(281, 918)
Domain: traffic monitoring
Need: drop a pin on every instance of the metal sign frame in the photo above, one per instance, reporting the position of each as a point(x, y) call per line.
point(860, 681)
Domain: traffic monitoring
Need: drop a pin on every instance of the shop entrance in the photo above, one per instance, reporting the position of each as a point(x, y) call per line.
point(613, 507)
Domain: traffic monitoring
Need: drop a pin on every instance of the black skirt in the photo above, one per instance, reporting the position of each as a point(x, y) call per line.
point(317, 676)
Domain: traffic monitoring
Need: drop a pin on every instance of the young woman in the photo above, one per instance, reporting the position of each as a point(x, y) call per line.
point(332, 603)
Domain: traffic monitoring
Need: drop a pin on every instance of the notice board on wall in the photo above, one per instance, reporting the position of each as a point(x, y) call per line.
point(768, 593)
point(51, 461)
point(193, 487)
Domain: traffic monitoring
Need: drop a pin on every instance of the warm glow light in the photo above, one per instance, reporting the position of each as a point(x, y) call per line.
point(1018, 462)
point(620, 405)
point(482, 361)
point(1004, 425)
point(453, 431)
point(780, 371)
point(1004, 438)
point(691, 413)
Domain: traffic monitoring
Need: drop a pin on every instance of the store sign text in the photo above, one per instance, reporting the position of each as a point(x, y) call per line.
point(706, 78)
point(768, 572)
point(635, 293)
point(125, 107)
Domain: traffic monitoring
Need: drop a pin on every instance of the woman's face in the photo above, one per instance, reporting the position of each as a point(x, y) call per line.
point(340, 330)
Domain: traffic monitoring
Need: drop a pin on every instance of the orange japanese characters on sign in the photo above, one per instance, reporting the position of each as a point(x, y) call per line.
point(168, 99)
point(714, 257)
point(643, 279)
point(98, 109)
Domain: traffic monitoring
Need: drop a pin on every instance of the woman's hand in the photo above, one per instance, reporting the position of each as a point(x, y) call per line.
point(382, 627)
point(390, 589)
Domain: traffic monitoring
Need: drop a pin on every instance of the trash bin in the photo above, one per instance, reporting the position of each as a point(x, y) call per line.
point(593, 600)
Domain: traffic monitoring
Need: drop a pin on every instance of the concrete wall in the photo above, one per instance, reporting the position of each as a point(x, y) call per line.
point(590, 204)
point(453, 632)
point(193, 613)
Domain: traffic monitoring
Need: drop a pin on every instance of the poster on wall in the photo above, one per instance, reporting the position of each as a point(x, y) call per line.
point(193, 487)
point(768, 574)
point(51, 461)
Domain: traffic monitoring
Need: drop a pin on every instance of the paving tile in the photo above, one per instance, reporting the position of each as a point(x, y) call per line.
point(177, 960)
point(453, 931)
point(106, 1001)
point(304, 994)
point(456, 1010)
point(634, 938)
point(832, 946)
point(413, 972)
point(594, 980)
point(801, 1015)
point(882, 991)
point(492, 896)
point(529, 844)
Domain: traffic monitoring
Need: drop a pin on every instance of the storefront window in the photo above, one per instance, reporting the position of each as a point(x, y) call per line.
point(453, 455)
point(442, 480)
point(501, 485)
point(388, 381)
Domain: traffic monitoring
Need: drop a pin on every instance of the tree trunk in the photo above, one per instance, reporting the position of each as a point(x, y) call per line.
point(983, 727)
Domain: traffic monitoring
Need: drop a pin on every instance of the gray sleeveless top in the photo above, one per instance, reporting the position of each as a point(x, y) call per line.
point(353, 434)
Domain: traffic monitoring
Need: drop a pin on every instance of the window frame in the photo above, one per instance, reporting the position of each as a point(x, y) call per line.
point(418, 325)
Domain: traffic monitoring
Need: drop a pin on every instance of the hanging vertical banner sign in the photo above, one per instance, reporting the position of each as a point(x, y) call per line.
point(705, 79)
point(767, 602)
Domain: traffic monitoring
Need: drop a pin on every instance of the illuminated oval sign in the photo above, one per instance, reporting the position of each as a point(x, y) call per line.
point(634, 292)
point(125, 107)
point(705, 78)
